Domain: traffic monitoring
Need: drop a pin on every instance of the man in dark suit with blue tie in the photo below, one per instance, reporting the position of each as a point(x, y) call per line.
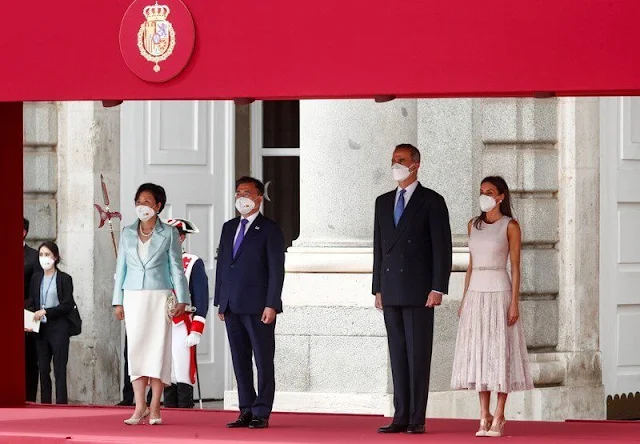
point(411, 268)
point(249, 279)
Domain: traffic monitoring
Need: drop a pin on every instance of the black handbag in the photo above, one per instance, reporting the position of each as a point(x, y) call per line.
point(75, 321)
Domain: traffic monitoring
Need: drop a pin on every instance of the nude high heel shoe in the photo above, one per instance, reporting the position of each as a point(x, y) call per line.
point(485, 425)
point(135, 421)
point(155, 421)
point(497, 428)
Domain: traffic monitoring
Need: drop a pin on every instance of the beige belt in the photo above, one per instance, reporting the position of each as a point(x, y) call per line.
point(488, 268)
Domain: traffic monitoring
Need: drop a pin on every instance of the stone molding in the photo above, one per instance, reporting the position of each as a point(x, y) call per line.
point(348, 259)
point(540, 404)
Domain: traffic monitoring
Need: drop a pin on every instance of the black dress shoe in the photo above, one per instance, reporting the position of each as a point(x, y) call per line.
point(415, 428)
point(259, 423)
point(243, 421)
point(125, 403)
point(393, 428)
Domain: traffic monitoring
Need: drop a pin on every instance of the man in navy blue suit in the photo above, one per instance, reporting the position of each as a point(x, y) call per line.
point(249, 278)
point(411, 269)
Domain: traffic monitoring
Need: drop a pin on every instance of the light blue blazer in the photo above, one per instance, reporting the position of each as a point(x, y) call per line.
point(161, 270)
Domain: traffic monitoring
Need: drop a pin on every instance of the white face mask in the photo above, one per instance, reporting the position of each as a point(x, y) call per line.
point(487, 203)
point(244, 205)
point(46, 263)
point(400, 172)
point(144, 212)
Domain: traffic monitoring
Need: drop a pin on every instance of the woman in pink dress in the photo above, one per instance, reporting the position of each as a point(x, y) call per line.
point(491, 353)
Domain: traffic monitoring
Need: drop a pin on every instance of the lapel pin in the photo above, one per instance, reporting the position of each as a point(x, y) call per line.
point(257, 228)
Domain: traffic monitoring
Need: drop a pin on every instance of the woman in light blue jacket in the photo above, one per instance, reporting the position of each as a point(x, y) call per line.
point(149, 272)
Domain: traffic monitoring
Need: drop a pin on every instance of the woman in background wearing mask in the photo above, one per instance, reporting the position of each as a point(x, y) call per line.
point(491, 353)
point(51, 294)
point(148, 273)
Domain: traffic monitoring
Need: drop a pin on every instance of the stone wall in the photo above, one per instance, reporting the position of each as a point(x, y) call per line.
point(331, 343)
point(332, 353)
point(466, 140)
point(67, 147)
point(579, 246)
point(40, 170)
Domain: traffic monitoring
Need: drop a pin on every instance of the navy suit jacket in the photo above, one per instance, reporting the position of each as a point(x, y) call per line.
point(413, 258)
point(253, 279)
point(199, 288)
point(31, 267)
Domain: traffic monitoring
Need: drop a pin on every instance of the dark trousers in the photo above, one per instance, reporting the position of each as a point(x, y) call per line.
point(178, 395)
point(31, 374)
point(127, 388)
point(249, 336)
point(53, 342)
point(410, 336)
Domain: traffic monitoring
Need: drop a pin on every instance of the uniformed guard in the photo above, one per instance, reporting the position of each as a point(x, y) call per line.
point(187, 329)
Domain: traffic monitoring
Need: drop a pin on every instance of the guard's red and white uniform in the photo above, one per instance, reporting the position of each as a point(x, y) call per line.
point(183, 369)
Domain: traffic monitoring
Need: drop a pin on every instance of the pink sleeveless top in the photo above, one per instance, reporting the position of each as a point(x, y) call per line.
point(489, 248)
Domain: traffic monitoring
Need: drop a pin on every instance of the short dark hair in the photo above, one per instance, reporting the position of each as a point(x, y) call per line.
point(158, 193)
point(246, 179)
point(51, 245)
point(26, 224)
point(415, 152)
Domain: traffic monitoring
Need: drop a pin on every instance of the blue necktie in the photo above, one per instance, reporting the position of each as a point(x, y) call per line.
point(236, 245)
point(397, 213)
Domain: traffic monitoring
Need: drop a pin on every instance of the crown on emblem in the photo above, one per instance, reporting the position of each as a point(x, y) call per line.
point(156, 12)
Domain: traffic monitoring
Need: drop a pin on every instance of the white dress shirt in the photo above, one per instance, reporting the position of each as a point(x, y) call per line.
point(407, 195)
point(408, 192)
point(250, 220)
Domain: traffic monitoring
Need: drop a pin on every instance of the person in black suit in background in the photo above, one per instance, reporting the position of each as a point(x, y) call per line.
point(31, 266)
point(411, 268)
point(51, 298)
point(249, 279)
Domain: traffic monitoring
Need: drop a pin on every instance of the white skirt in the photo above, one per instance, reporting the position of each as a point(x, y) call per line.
point(489, 354)
point(148, 334)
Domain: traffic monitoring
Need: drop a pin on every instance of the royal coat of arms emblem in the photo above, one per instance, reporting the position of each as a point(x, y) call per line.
point(156, 37)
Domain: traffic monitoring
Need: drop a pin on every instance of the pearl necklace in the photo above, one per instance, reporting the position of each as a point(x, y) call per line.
point(143, 233)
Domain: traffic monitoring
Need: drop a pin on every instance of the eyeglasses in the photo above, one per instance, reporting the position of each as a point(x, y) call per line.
point(243, 194)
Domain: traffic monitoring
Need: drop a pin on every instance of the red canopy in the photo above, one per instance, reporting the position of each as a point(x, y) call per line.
point(69, 50)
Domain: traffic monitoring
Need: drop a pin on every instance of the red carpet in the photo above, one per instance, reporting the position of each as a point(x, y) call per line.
point(40, 424)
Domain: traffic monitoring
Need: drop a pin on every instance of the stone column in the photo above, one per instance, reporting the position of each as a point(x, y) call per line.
point(578, 300)
point(345, 160)
point(89, 145)
point(450, 144)
point(40, 180)
point(332, 348)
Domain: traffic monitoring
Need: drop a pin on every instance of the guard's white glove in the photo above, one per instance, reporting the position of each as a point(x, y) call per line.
point(193, 339)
